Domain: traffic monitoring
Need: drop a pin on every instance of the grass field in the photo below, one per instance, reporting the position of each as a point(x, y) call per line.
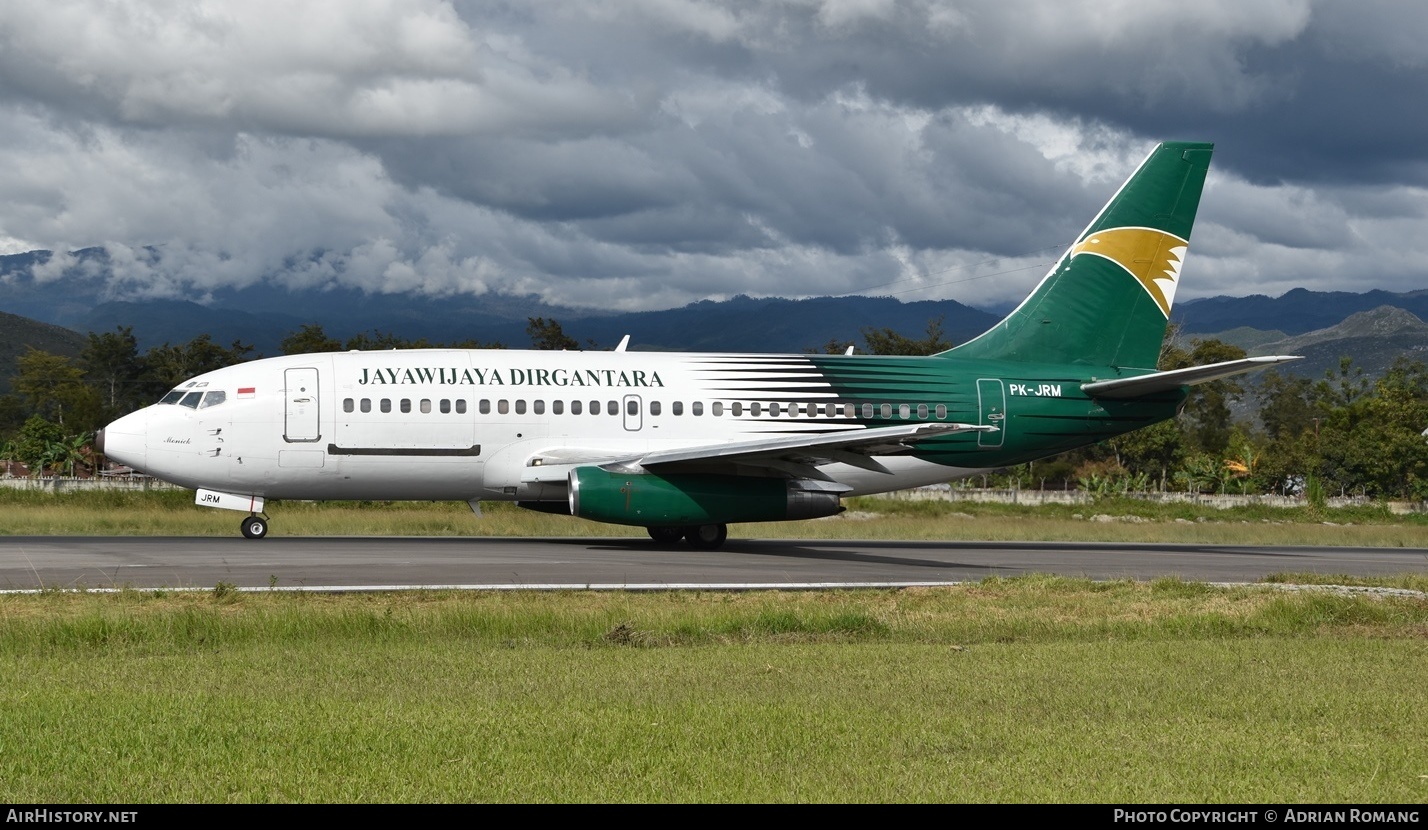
point(1038, 689)
point(172, 513)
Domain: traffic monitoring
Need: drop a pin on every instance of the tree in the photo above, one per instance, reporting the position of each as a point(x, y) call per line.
point(169, 366)
point(33, 442)
point(67, 452)
point(1373, 440)
point(1288, 410)
point(1207, 411)
point(547, 334)
point(309, 339)
point(53, 387)
point(887, 341)
point(1155, 451)
point(378, 341)
point(111, 361)
point(834, 346)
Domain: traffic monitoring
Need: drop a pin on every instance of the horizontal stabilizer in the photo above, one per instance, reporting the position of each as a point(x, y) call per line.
point(1176, 378)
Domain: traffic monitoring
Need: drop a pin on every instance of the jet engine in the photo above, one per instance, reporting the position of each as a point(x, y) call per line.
point(652, 500)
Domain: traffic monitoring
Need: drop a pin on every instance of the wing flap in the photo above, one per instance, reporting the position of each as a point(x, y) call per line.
point(854, 447)
point(794, 455)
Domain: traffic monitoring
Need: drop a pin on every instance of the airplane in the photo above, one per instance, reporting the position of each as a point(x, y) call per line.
point(683, 444)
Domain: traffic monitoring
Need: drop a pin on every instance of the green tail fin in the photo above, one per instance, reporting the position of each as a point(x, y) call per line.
point(1107, 300)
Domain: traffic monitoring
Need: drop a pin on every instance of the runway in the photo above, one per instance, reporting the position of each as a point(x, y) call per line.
point(372, 563)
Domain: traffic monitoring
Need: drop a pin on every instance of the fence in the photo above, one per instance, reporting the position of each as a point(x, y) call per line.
point(934, 492)
point(65, 484)
point(947, 492)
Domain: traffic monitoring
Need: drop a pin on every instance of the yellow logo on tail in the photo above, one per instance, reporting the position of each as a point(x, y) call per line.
point(1151, 256)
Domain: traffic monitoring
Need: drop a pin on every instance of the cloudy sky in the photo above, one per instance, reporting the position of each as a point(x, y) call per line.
point(641, 154)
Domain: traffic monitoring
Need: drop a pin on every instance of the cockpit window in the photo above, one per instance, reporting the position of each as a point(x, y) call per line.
point(172, 397)
point(212, 399)
point(191, 400)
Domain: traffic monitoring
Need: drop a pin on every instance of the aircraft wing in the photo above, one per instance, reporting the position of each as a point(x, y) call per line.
point(797, 455)
point(1176, 378)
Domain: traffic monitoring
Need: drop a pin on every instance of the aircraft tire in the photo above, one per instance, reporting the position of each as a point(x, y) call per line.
point(666, 535)
point(706, 537)
point(254, 527)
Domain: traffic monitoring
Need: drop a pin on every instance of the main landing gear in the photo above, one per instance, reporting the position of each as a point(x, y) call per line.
point(699, 537)
point(254, 527)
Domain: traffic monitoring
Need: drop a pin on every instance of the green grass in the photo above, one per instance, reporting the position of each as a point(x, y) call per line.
point(172, 513)
point(1032, 689)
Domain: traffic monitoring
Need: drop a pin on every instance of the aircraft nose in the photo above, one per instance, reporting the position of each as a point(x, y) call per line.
point(125, 440)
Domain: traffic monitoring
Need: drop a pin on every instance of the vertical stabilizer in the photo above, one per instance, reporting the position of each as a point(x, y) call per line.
point(1107, 300)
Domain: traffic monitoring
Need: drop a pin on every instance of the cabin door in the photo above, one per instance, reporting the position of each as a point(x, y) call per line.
point(300, 421)
point(992, 403)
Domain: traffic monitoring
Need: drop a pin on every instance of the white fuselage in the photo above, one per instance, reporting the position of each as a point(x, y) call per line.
point(439, 424)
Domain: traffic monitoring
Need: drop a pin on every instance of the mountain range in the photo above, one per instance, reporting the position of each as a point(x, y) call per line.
point(1373, 327)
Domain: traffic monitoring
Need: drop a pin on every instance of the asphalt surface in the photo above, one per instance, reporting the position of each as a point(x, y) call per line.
point(49, 562)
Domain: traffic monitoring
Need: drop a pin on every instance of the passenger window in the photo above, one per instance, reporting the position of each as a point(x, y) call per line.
point(172, 397)
point(348, 405)
point(445, 406)
point(503, 406)
point(736, 408)
point(521, 406)
point(576, 408)
point(654, 407)
point(613, 407)
point(386, 405)
point(461, 406)
point(484, 406)
point(697, 408)
point(867, 410)
point(406, 405)
point(557, 407)
point(904, 411)
point(191, 400)
point(774, 410)
point(632, 407)
point(426, 406)
point(941, 411)
point(922, 411)
point(365, 405)
point(212, 399)
point(717, 408)
point(677, 407)
point(886, 410)
point(539, 407)
point(594, 407)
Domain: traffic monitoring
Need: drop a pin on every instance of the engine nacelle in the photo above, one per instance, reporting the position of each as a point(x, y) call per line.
point(652, 500)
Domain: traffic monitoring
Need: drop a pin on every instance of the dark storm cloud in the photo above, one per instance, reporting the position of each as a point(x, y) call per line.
point(648, 153)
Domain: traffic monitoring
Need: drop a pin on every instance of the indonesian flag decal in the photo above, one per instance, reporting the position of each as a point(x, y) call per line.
point(246, 391)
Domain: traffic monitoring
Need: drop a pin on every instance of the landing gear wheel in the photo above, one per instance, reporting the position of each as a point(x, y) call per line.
point(666, 535)
point(706, 537)
point(255, 527)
